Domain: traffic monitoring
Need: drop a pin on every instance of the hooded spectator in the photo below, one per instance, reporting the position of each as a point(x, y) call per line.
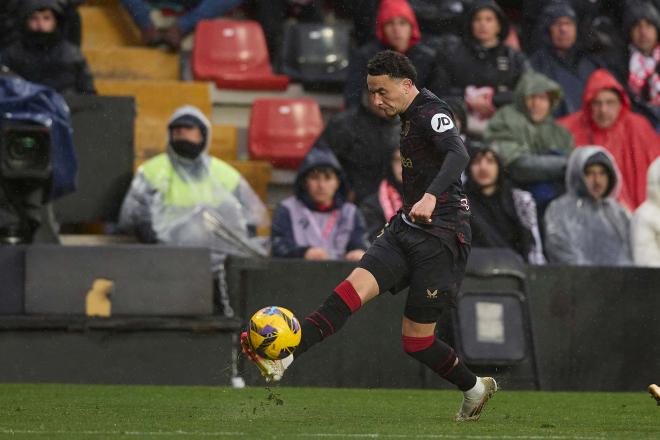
point(317, 223)
point(480, 67)
point(640, 70)
point(170, 192)
point(396, 29)
point(157, 29)
point(42, 55)
point(606, 119)
point(560, 58)
point(587, 226)
point(362, 139)
point(381, 206)
point(645, 225)
point(502, 216)
point(532, 146)
point(599, 24)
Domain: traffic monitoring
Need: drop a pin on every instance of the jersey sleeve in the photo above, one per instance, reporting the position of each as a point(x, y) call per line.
point(439, 125)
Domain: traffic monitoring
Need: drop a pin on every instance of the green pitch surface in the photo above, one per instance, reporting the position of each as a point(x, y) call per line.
point(111, 412)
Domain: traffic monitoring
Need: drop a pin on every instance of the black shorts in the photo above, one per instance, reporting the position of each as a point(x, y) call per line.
point(404, 256)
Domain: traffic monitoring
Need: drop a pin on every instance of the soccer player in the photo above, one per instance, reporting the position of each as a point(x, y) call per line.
point(424, 247)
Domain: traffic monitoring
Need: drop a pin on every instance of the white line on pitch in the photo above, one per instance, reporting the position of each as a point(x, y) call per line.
point(305, 435)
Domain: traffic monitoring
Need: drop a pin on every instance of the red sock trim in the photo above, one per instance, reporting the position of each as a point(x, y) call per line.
point(347, 293)
point(412, 344)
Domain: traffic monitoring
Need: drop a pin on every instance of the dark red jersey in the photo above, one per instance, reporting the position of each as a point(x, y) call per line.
point(429, 140)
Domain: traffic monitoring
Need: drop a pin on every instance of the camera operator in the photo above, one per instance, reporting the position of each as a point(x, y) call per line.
point(43, 55)
point(37, 159)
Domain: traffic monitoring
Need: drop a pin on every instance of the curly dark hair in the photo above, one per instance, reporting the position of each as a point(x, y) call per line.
point(392, 64)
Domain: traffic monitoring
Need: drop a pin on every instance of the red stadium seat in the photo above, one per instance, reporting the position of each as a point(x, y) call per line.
point(233, 54)
point(283, 130)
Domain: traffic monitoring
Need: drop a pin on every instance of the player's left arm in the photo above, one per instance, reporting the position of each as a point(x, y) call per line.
point(446, 140)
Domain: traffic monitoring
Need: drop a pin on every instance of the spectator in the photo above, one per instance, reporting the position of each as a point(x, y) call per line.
point(480, 67)
point(599, 24)
point(502, 216)
point(396, 29)
point(170, 22)
point(640, 69)
point(317, 223)
point(361, 138)
point(272, 14)
point(560, 57)
point(645, 225)
point(587, 226)
point(42, 55)
point(606, 119)
point(170, 192)
point(382, 205)
point(532, 146)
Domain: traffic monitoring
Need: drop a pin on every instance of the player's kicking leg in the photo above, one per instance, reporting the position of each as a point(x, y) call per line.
point(419, 342)
point(359, 288)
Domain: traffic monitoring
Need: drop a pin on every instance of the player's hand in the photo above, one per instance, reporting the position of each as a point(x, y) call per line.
point(354, 255)
point(422, 210)
point(316, 253)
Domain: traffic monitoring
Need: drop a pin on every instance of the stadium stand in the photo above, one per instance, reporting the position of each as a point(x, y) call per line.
point(316, 54)
point(107, 25)
point(283, 130)
point(233, 53)
point(135, 63)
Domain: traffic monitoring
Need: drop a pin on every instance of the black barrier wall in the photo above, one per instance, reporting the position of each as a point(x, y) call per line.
point(596, 328)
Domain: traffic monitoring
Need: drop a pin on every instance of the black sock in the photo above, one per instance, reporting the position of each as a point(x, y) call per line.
point(325, 321)
point(441, 358)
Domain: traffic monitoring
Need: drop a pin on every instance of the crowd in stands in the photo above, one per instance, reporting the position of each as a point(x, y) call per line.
point(558, 103)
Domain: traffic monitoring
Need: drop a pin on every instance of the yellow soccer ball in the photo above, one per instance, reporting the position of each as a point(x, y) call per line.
point(274, 332)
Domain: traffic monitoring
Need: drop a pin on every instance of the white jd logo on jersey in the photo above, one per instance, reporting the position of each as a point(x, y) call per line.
point(440, 122)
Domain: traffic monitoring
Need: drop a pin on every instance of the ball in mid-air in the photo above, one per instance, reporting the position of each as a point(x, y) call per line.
point(274, 332)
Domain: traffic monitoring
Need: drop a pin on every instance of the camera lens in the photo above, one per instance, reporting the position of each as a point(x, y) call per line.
point(24, 152)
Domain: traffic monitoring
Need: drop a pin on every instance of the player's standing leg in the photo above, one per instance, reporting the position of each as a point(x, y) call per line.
point(419, 342)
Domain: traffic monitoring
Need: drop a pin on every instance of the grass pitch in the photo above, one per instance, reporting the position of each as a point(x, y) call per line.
point(110, 412)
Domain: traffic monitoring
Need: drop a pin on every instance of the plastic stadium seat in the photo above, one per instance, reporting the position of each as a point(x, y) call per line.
point(316, 54)
point(233, 53)
point(283, 130)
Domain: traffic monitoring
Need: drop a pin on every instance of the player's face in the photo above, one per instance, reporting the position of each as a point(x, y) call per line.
point(597, 180)
point(605, 108)
point(485, 26)
point(484, 170)
point(644, 36)
point(397, 33)
point(538, 106)
point(390, 95)
point(321, 186)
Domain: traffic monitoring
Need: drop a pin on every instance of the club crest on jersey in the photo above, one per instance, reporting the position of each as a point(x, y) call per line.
point(440, 122)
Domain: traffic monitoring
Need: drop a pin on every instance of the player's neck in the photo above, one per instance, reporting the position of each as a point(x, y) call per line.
point(412, 95)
